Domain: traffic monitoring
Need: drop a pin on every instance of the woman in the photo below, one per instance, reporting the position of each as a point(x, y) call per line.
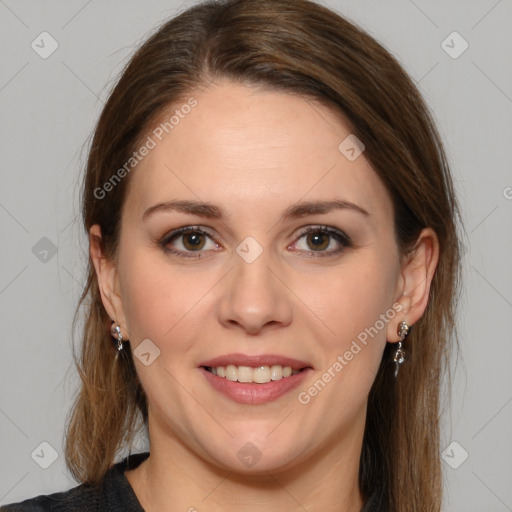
point(273, 273)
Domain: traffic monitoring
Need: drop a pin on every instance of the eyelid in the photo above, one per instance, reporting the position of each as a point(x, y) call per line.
point(323, 228)
point(185, 229)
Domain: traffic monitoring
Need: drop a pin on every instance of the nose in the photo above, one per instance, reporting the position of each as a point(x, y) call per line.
point(254, 298)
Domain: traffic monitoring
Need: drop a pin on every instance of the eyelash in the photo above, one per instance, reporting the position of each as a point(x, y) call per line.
point(338, 235)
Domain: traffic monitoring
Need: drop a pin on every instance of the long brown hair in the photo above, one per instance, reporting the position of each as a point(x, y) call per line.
point(299, 47)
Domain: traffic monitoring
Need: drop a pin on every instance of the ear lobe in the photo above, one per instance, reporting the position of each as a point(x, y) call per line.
point(418, 268)
point(106, 274)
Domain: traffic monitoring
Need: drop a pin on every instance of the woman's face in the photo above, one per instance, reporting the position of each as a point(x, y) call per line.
point(292, 262)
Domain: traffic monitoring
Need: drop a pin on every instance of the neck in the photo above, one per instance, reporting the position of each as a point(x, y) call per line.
point(174, 478)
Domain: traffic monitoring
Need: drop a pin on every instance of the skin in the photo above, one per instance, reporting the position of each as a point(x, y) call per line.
point(254, 153)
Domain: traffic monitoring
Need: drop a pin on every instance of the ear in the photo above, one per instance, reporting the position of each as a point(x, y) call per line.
point(417, 271)
point(106, 273)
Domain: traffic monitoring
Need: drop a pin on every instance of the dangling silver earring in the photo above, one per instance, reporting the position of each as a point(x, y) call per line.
point(399, 357)
point(116, 333)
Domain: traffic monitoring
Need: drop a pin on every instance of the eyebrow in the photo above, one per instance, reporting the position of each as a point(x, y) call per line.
point(210, 211)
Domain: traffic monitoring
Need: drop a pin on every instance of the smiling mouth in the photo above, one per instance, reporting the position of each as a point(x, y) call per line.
point(258, 375)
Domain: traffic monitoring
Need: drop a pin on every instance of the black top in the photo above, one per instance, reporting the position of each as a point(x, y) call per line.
point(116, 494)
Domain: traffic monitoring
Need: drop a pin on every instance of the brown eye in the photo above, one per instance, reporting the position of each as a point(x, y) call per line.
point(323, 240)
point(318, 241)
point(189, 241)
point(193, 241)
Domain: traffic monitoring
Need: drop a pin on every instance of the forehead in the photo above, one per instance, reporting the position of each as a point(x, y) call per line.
point(244, 147)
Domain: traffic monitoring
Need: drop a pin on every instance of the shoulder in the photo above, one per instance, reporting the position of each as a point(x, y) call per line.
point(81, 497)
point(114, 493)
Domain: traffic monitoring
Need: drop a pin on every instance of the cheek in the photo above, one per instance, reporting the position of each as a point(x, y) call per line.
point(353, 303)
point(157, 298)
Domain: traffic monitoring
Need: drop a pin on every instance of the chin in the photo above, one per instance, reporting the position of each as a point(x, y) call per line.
point(256, 458)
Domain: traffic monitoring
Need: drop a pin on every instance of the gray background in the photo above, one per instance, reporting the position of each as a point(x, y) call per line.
point(48, 108)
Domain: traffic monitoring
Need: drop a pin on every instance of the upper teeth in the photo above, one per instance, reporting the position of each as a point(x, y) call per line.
point(260, 375)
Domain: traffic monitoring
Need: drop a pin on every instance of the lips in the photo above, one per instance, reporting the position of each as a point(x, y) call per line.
point(245, 378)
